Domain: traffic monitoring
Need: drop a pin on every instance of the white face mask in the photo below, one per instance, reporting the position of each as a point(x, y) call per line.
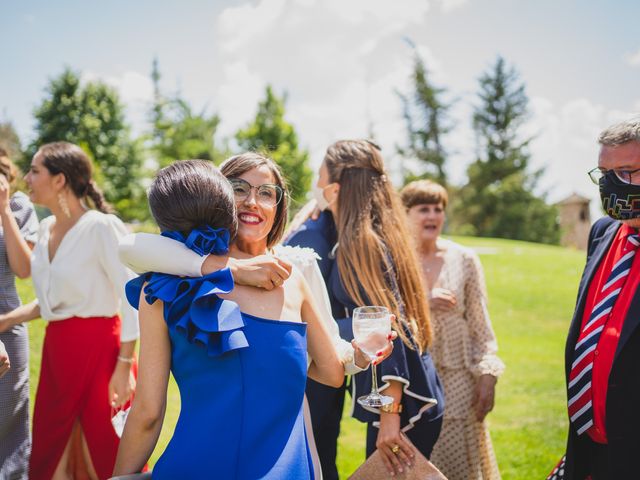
point(318, 194)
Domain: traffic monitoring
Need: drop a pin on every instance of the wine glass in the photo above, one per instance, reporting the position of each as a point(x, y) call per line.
point(371, 328)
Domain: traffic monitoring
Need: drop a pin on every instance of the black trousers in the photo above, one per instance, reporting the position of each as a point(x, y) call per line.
point(599, 462)
point(325, 405)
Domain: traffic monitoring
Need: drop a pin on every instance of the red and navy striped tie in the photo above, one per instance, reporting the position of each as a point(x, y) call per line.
point(579, 389)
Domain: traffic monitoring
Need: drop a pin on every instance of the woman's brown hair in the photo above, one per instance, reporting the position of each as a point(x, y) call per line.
point(240, 164)
point(377, 264)
point(192, 193)
point(72, 162)
point(424, 192)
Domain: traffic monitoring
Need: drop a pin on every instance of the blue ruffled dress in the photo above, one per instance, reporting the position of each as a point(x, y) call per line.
point(241, 379)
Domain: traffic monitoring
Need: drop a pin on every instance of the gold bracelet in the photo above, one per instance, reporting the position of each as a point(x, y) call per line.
point(125, 359)
point(392, 408)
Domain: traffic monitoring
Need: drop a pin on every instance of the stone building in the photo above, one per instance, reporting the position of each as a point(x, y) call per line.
point(575, 221)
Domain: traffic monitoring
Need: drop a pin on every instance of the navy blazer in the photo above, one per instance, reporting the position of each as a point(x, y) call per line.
point(623, 391)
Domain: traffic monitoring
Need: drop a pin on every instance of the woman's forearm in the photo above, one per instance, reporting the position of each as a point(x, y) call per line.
point(394, 390)
point(18, 250)
point(126, 350)
point(23, 313)
point(138, 440)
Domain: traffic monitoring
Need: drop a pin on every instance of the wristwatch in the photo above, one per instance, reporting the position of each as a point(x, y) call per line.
point(392, 408)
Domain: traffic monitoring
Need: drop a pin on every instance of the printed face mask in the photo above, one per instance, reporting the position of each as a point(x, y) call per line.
point(620, 200)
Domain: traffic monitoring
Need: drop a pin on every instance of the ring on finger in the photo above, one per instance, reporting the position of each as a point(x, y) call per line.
point(395, 449)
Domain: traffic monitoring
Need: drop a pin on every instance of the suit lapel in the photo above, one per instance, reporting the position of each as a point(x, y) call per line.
point(589, 270)
point(631, 322)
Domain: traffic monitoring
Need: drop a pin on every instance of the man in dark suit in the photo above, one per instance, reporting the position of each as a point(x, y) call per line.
point(602, 356)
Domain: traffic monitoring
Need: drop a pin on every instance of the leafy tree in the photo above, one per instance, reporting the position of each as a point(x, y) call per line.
point(93, 117)
point(272, 134)
point(498, 200)
point(10, 142)
point(178, 132)
point(427, 119)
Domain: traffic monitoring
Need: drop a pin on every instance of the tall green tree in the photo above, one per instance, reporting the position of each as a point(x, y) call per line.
point(92, 116)
point(499, 199)
point(427, 119)
point(270, 133)
point(179, 133)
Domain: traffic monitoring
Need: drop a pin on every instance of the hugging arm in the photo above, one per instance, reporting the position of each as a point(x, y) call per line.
point(146, 252)
point(326, 367)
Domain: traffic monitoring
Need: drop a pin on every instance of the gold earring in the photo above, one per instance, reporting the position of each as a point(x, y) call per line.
point(64, 206)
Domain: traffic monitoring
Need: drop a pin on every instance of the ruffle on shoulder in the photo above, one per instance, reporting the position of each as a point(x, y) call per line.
point(300, 256)
point(192, 305)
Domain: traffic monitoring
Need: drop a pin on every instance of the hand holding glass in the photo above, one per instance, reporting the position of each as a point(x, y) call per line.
point(371, 328)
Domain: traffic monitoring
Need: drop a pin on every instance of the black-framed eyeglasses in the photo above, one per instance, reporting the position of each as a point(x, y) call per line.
point(267, 194)
point(625, 176)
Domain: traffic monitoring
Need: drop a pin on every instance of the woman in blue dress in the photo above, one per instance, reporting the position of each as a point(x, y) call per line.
point(239, 355)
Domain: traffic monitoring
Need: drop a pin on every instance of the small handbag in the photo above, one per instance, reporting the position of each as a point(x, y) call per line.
point(374, 469)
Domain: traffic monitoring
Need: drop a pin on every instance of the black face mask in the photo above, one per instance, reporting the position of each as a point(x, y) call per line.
point(620, 200)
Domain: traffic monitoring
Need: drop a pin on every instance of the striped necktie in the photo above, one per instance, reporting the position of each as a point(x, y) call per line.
point(579, 389)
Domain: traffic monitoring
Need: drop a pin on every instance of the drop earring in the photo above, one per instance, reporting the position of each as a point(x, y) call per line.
point(64, 206)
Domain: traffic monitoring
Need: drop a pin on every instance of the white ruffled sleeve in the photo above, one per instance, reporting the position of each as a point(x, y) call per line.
point(305, 260)
point(148, 252)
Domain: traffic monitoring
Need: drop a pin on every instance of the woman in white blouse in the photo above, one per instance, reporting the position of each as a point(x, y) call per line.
point(88, 352)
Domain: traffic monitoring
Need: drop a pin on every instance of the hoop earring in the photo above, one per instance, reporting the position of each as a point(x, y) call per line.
point(64, 205)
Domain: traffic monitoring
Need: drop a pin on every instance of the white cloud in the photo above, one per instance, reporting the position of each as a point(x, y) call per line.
point(238, 25)
point(451, 5)
point(341, 63)
point(633, 59)
point(567, 147)
point(237, 97)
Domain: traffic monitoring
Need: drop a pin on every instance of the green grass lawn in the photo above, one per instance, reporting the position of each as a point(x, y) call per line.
point(532, 290)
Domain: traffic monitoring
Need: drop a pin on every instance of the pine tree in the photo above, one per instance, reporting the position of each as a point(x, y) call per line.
point(427, 119)
point(499, 199)
point(272, 134)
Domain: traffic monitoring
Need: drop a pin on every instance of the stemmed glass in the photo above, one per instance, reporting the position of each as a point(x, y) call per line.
point(371, 328)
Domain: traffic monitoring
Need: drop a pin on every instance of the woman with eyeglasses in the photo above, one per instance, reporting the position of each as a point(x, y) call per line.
point(261, 203)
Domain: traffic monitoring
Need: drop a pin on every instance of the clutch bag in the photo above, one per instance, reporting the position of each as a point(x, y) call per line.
point(374, 469)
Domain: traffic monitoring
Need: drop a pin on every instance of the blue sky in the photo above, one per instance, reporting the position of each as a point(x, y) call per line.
point(340, 62)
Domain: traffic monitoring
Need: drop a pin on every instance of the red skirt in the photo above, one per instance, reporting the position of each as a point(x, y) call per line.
point(78, 358)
